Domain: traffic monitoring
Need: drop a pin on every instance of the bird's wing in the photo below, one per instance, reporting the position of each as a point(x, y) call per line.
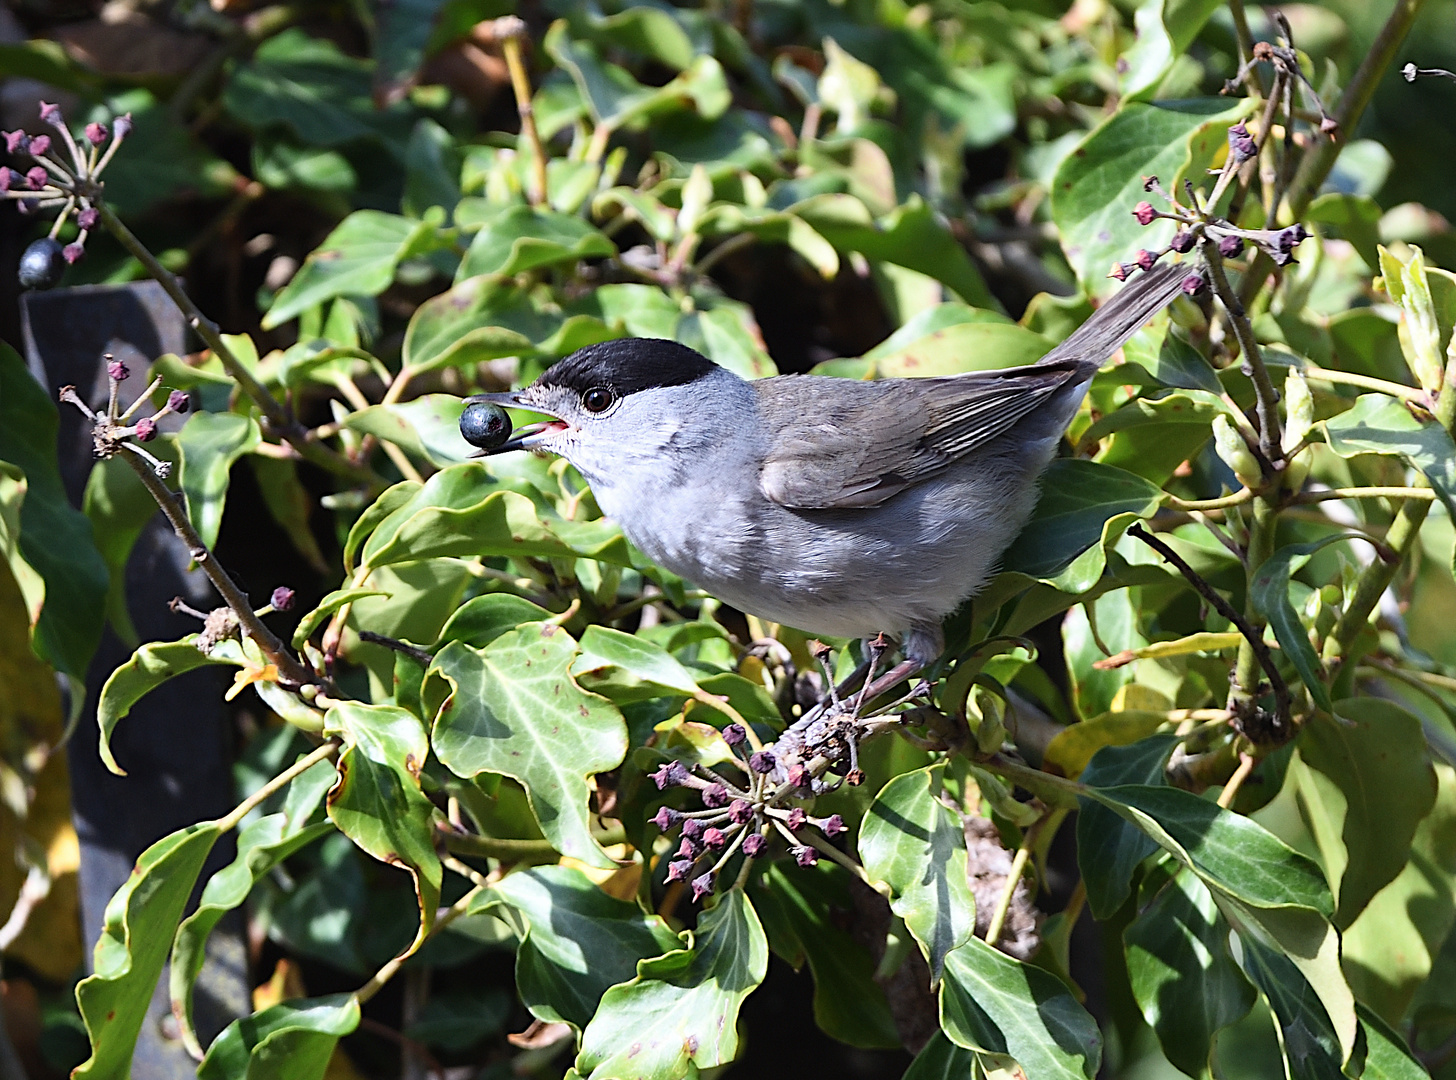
point(862, 442)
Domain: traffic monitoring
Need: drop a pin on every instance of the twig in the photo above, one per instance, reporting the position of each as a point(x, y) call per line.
point(1349, 378)
point(389, 970)
point(1223, 607)
point(269, 643)
point(1236, 781)
point(278, 418)
point(1008, 891)
point(1267, 403)
point(1223, 503)
point(509, 30)
point(404, 648)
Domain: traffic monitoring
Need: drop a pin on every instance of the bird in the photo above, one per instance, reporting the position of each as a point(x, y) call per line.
point(841, 507)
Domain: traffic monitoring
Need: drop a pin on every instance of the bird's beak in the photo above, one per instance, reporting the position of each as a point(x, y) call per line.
point(523, 438)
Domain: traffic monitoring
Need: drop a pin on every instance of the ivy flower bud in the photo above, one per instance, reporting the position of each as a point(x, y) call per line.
point(665, 818)
point(715, 796)
point(1182, 242)
point(702, 886)
point(753, 845)
point(740, 812)
point(734, 734)
point(179, 402)
point(1241, 144)
point(688, 849)
point(692, 828)
point(672, 774)
point(146, 429)
point(51, 113)
point(36, 178)
point(795, 820)
point(799, 776)
point(1231, 246)
point(72, 253)
point(88, 218)
point(1234, 452)
point(762, 762)
point(16, 141)
point(832, 826)
point(1298, 409)
point(1145, 259)
point(1149, 182)
point(121, 126)
point(39, 145)
point(96, 134)
point(806, 857)
point(1145, 213)
point(714, 838)
point(282, 599)
point(1194, 284)
point(678, 870)
point(117, 371)
point(8, 178)
point(1118, 272)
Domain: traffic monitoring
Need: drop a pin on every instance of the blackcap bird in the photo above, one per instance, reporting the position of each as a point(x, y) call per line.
point(840, 507)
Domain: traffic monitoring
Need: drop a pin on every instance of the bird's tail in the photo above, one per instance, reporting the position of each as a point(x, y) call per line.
point(1122, 316)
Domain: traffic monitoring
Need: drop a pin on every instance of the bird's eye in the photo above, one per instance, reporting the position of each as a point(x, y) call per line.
point(597, 399)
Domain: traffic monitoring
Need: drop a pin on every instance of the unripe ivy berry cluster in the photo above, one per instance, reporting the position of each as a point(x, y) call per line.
point(113, 430)
point(73, 186)
point(737, 817)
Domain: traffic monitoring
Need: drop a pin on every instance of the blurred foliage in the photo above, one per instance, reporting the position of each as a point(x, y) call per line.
point(862, 189)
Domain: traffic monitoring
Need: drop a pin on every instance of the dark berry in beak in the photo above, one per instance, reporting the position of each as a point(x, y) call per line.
point(485, 425)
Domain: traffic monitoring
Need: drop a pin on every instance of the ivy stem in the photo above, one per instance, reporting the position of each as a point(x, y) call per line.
point(1267, 403)
point(278, 418)
point(1008, 891)
point(388, 971)
point(1236, 781)
point(269, 643)
point(327, 752)
point(509, 850)
point(1366, 382)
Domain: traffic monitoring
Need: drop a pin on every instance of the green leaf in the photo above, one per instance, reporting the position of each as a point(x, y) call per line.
point(913, 844)
point(941, 1059)
point(149, 667)
point(357, 259)
point(55, 541)
point(1109, 850)
point(1072, 748)
point(992, 1002)
point(1308, 1039)
point(378, 803)
point(681, 1011)
point(290, 505)
point(262, 845)
point(163, 160)
point(1165, 29)
point(1269, 593)
point(136, 934)
point(514, 709)
point(484, 618)
point(578, 941)
point(1364, 782)
point(427, 427)
point(1098, 184)
point(848, 1004)
point(294, 1040)
point(1185, 981)
point(432, 160)
point(913, 235)
point(1379, 424)
point(208, 445)
point(523, 238)
point(1083, 504)
point(462, 512)
point(375, 513)
point(1152, 436)
point(627, 668)
point(982, 345)
point(327, 606)
point(308, 85)
point(1355, 218)
point(1409, 284)
point(1390, 950)
point(1386, 1055)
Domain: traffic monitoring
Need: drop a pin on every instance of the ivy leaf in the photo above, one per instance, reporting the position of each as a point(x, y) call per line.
point(914, 844)
point(1386, 1055)
point(1165, 29)
point(1307, 1038)
point(327, 606)
point(148, 668)
point(136, 933)
point(848, 1004)
point(262, 845)
point(627, 668)
point(1364, 782)
point(485, 618)
point(681, 1011)
point(523, 238)
point(994, 1003)
point(294, 1040)
point(1109, 849)
point(357, 259)
point(427, 427)
point(378, 803)
point(513, 708)
point(55, 540)
point(1098, 184)
point(207, 445)
point(941, 1059)
point(1185, 981)
point(1084, 506)
point(578, 941)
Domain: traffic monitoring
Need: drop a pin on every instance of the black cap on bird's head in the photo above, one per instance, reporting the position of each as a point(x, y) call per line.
point(597, 377)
